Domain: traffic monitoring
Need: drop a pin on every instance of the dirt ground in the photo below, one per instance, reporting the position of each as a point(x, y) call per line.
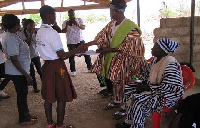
point(84, 112)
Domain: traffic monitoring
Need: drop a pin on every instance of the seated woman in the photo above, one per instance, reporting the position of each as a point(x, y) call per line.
point(163, 81)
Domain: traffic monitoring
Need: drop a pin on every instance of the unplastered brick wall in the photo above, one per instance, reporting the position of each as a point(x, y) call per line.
point(178, 29)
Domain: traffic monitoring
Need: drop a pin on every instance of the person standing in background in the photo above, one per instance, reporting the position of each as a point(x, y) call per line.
point(6, 79)
point(28, 34)
point(73, 28)
point(17, 66)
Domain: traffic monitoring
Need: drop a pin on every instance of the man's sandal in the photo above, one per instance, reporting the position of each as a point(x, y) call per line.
point(122, 125)
point(119, 114)
point(106, 94)
point(102, 91)
point(51, 125)
point(33, 117)
point(112, 105)
point(31, 122)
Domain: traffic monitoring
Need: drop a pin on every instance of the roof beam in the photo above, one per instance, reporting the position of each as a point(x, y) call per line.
point(10, 2)
point(23, 6)
point(58, 9)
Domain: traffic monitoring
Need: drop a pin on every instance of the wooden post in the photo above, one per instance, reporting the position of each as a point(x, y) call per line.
point(42, 2)
point(23, 6)
point(138, 12)
point(84, 2)
point(61, 4)
point(192, 31)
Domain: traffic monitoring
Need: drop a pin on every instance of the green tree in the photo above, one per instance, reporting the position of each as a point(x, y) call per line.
point(184, 8)
point(95, 17)
point(36, 18)
point(197, 7)
point(168, 13)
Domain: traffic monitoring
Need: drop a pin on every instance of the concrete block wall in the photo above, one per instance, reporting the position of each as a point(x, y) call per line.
point(178, 29)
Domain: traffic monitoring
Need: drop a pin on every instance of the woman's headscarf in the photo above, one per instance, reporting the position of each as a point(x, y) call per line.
point(167, 45)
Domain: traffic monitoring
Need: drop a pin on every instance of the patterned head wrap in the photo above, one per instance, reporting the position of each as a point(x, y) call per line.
point(167, 45)
point(120, 4)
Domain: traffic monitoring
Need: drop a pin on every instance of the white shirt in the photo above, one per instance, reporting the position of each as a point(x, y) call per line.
point(1, 53)
point(1, 57)
point(12, 46)
point(74, 33)
point(32, 46)
point(48, 42)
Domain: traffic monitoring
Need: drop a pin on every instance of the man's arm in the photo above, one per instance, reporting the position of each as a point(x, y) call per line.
point(65, 55)
point(82, 27)
point(16, 63)
point(29, 39)
point(80, 24)
point(65, 26)
point(58, 29)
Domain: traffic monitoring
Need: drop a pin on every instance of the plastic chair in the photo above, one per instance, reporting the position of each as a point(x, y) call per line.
point(188, 77)
point(188, 82)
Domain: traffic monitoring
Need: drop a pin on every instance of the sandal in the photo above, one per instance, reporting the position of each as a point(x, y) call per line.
point(117, 117)
point(33, 117)
point(64, 126)
point(31, 122)
point(5, 97)
point(51, 125)
point(122, 125)
point(102, 91)
point(106, 94)
point(112, 105)
point(119, 114)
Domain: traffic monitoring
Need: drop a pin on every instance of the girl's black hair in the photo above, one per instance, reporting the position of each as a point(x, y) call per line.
point(28, 21)
point(45, 10)
point(9, 21)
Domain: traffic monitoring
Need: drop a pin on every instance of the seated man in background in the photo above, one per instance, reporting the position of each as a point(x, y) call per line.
point(163, 80)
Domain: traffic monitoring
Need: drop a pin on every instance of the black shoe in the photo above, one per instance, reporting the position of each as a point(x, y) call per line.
point(36, 90)
point(122, 125)
point(106, 95)
point(112, 105)
point(102, 91)
point(5, 97)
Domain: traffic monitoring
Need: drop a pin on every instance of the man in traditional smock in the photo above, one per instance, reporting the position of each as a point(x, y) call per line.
point(117, 43)
point(164, 81)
